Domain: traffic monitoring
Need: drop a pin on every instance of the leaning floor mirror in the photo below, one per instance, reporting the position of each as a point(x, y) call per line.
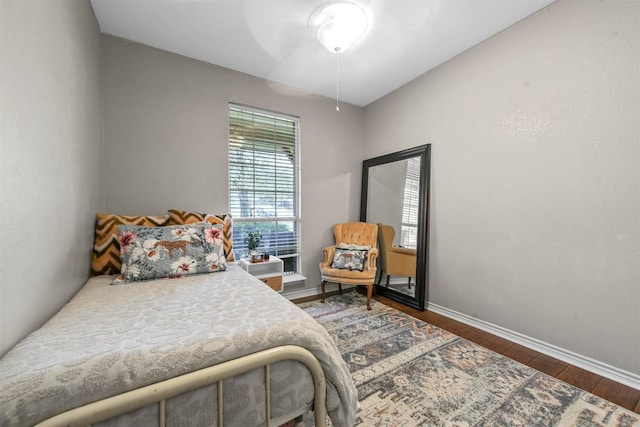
point(395, 195)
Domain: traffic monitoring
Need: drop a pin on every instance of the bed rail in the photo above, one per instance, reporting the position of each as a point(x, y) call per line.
point(108, 408)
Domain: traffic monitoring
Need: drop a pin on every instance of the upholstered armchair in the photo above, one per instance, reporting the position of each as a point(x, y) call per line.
point(355, 248)
point(394, 260)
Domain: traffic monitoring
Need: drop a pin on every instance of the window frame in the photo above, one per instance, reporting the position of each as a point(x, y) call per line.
point(410, 204)
point(296, 218)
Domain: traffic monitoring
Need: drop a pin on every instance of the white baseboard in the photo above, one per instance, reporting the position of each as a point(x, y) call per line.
point(618, 375)
point(300, 294)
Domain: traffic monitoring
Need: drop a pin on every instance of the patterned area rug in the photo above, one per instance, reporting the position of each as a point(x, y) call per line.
point(411, 373)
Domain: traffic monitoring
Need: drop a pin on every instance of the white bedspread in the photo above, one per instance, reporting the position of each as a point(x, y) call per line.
point(110, 339)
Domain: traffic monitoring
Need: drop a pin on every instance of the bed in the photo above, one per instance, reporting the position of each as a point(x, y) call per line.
point(112, 340)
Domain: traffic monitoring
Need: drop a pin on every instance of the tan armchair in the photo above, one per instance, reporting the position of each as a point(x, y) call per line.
point(394, 260)
point(352, 233)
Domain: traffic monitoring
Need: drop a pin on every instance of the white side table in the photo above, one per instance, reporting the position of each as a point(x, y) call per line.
point(270, 271)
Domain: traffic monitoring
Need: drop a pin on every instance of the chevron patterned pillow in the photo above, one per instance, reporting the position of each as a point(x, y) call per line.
point(178, 217)
point(106, 248)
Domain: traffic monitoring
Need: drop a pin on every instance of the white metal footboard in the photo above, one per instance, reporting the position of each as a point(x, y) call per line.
point(105, 409)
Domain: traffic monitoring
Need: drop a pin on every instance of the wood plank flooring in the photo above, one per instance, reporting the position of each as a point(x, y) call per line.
point(619, 394)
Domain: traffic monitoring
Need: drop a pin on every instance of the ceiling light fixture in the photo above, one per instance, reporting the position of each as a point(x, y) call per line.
point(339, 26)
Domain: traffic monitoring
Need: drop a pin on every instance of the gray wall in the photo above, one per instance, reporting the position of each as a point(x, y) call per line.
point(50, 158)
point(535, 213)
point(166, 141)
point(535, 181)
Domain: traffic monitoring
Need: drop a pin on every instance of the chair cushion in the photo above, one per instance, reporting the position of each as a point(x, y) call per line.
point(338, 274)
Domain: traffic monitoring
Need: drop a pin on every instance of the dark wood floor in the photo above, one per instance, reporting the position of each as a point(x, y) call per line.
point(620, 394)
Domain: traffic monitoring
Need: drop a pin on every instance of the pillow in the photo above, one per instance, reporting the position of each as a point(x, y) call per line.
point(358, 247)
point(349, 259)
point(106, 248)
point(178, 217)
point(174, 251)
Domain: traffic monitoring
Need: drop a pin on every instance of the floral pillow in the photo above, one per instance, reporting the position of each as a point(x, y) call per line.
point(349, 246)
point(173, 251)
point(178, 217)
point(349, 259)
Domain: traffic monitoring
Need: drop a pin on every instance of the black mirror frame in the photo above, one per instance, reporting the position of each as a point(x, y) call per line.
point(422, 249)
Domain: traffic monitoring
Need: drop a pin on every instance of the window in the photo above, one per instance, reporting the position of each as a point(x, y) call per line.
point(263, 182)
point(409, 230)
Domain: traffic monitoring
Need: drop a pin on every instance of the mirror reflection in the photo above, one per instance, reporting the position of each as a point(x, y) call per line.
point(393, 203)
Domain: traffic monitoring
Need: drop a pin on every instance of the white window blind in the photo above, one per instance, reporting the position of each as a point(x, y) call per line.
point(409, 227)
point(263, 182)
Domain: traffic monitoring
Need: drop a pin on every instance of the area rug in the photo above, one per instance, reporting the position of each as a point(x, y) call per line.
point(411, 373)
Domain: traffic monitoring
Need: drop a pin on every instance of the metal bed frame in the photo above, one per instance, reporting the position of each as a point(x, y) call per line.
point(160, 392)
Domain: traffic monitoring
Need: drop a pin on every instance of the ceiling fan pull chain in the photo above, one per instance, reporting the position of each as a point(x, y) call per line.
point(337, 78)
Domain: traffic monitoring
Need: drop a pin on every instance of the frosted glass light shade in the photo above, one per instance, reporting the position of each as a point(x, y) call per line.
point(341, 24)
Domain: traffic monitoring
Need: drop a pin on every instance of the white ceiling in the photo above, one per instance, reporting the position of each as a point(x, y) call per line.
point(272, 39)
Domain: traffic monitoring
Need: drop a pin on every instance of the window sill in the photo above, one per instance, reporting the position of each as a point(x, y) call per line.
point(292, 278)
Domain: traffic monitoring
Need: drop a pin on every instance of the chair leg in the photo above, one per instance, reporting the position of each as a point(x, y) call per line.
point(324, 283)
point(340, 288)
point(409, 282)
point(388, 277)
point(369, 291)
